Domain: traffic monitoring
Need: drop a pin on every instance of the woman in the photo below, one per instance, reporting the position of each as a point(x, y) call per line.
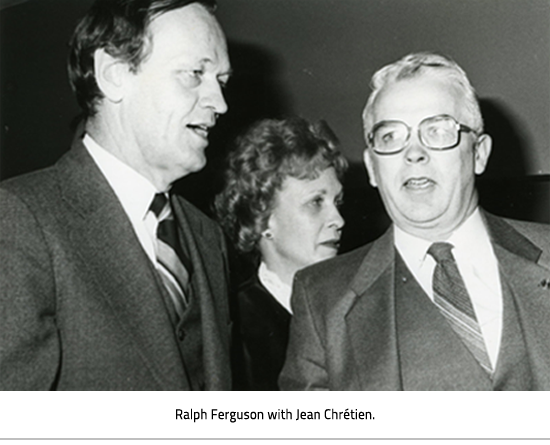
point(280, 204)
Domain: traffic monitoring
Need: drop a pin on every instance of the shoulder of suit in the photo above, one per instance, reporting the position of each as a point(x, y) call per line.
point(529, 226)
point(341, 268)
point(324, 284)
point(537, 233)
point(34, 188)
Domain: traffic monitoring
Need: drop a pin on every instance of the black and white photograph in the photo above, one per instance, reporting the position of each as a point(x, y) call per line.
point(259, 196)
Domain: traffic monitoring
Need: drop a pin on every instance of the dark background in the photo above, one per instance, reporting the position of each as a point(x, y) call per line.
point(313, 58)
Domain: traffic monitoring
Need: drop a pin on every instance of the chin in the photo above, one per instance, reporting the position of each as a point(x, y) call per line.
point(328, 256)
point(194, 165)
point(419, 213)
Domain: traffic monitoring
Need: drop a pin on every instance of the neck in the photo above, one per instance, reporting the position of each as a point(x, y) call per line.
point(440, 234)
point(279, 268)
point(104, 131)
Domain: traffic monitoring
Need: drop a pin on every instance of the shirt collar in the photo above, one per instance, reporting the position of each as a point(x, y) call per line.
point(412, 249)
point(271, 281)
point(471, 239)
point(134, 191)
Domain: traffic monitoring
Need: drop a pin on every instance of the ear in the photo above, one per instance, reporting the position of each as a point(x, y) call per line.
point(369, 164)
point(109, 75)
point(267, 233)
point(265, 243)
point(482, 151)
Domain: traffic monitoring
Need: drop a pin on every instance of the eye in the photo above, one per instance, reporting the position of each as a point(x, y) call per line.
point(197, 75)
point(434, 130)
point(317, 201)
point(439, 133)
point(339, 202)
point(387, 136)
point(223, 81)
point(191, 78)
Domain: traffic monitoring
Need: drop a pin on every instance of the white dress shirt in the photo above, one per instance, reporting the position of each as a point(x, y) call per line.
point(134, 192)
point(271, 281)
point(478, 266)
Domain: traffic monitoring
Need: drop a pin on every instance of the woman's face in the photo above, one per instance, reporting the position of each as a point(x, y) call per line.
point(305, 225)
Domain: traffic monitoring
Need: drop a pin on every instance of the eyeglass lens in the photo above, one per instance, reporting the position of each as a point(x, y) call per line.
point(438, 132)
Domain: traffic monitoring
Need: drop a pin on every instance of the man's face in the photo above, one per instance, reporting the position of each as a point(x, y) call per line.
point(427, 193)
point(173, 100)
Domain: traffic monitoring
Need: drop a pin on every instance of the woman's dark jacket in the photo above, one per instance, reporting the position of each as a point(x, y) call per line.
point(260, 338)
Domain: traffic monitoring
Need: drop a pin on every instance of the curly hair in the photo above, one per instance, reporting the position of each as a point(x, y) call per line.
point(267, 153)
point(121, 28)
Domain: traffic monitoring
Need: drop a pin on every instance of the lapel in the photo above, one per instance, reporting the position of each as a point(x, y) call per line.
point(399, 340)
point(113, 259)
point(519, 265)
point(432, 357)
point(393, 335)
point(209, 288)
point(370, 319)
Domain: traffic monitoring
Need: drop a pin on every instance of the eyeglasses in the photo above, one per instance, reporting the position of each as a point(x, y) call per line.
point(441, 132)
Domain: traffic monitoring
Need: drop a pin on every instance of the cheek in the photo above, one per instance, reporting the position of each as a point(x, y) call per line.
point(460, 171)
point(291, 226)
point(294, 230)
point(386, 174)
point(167, 101)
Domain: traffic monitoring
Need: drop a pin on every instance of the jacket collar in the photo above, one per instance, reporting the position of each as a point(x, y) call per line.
point(506, 236)
point(519, 262)
point(204, 253)
point(113, 258)
point(381, 254)
point(372, 311)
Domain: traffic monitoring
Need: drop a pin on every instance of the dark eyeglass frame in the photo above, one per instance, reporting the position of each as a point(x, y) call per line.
point(459, 129)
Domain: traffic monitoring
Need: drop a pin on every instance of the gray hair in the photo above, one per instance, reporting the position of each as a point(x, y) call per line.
point(415, 65)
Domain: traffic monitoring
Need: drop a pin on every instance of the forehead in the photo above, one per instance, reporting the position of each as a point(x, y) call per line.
point(326, 181)
point(412, 100)
point(188, 35)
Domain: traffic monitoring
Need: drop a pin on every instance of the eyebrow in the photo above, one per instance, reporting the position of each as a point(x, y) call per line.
point(207, 60)
point(324, 191)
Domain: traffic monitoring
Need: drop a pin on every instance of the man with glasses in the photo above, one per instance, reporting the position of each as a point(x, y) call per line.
point(450, 297)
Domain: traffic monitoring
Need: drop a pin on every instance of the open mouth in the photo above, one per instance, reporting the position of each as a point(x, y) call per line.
point(418, 183)
point(201, 130)
point(334, 244)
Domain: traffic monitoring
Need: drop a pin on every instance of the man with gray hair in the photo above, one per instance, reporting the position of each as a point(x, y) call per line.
point(450, 297)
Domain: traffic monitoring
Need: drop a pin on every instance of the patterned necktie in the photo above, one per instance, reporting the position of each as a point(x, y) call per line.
point(170, 257)
point(451, 297)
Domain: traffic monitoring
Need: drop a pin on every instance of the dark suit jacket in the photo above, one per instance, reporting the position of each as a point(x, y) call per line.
point(261, 338)
point(350, 330)
point(82, 306)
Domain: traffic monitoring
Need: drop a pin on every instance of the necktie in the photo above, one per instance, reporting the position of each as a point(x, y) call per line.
point(451, 297)
point(170, 257)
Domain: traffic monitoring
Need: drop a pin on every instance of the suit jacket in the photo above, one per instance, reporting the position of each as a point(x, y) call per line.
point(82, 306)
point(352, 330)
point(261, 338)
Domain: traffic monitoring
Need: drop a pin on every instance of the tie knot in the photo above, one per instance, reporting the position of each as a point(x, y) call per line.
point(441, 252)
point(159, 203)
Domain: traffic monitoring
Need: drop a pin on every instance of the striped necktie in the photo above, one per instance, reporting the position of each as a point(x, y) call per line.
point(452, 299)
point(170, 257)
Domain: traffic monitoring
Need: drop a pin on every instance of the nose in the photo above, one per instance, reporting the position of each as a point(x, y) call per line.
point(336, 221)
point(213, 98)
point(415, 152)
